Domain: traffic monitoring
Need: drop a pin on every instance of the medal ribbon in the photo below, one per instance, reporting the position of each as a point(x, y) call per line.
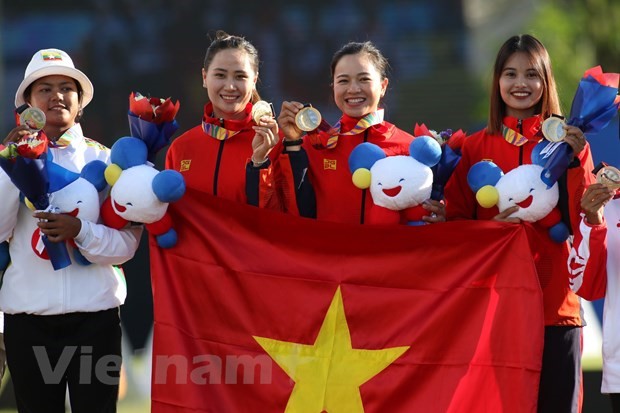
point(364, 123)
point(512, 136)
point(66, 139)
point(218, 132)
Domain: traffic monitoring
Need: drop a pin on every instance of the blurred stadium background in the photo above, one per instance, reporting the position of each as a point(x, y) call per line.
point(440, 51)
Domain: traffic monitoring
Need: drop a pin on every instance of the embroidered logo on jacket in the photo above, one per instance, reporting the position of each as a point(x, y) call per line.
point(185, 165)
point(329, 164)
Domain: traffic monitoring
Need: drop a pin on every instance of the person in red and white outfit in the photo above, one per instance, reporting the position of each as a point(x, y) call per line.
point(595, 266)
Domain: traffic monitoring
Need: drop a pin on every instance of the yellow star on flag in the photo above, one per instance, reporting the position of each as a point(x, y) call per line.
point(328, 374)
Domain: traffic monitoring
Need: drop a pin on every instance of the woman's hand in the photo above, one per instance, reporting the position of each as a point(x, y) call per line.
point(436, 209)
point(286, 120)
point(505, 216)
point(265, 138)
point(594, 200)
point(16, 134)
point(58, 227)
point(575, 138)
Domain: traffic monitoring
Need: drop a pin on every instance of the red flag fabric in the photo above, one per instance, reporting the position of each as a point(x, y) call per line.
point(257, 311)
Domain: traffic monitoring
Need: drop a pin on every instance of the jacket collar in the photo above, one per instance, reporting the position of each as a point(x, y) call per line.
point(528, 127)
point(229, 124)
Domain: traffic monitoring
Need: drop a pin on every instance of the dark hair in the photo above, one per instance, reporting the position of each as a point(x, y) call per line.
point(351, 48)
point(225, 41)
point(539, 58)
point(80, 92)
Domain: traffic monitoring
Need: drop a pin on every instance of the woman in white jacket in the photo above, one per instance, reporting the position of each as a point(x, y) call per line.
point(62, 328)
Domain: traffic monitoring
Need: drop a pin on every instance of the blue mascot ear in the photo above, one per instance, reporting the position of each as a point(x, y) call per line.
point(364, 156)
point(94, 172)
point(58, 176)
point(168, 185)
point(483, 173)
point(425, 150)
point(128, 152)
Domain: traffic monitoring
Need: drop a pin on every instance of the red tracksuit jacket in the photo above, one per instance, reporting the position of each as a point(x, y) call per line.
point(561, 305)
point(337, 199)
point(221, 167)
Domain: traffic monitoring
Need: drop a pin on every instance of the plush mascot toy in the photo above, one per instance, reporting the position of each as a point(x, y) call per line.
point(72, 194)
point(523, 187)
point(140, 193)
point(398, 184)
point(45, 185)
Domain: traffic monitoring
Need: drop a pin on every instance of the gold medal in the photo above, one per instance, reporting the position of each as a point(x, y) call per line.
point(609, 176)
point(308, 118)
point(260, 109)
point(553, 129)
point(33, 118)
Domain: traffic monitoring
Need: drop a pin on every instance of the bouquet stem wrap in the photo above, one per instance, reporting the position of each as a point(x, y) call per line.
point(595, 104)
point(451, 143)
point(31, 178)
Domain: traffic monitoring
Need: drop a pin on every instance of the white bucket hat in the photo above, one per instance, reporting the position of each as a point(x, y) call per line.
point(49, 62)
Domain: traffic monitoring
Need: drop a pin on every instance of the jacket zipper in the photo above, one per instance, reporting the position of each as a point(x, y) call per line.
point(217, 161)
point(363, 209)
point(520, 127)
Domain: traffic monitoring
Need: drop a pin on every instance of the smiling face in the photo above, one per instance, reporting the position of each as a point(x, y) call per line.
point(79, 199)
point(400, 182)
point(358, 86)
point(230, 80)
point(523, 187)
point(133, 198)
point(520, 86)
point(57, 96)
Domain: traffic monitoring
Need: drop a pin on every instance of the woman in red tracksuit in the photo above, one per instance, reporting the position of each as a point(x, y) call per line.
point(316, 179)
point(228, 154)
point(523, 94)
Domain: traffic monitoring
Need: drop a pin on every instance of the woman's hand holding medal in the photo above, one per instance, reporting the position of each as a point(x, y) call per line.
point(286, 120)
point(556, 129)
point(266, 132)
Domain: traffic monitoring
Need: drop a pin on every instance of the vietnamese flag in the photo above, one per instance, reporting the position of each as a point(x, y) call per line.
point(257, 311)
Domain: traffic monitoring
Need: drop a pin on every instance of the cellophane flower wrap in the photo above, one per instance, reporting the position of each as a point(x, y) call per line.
point(595, 104)
point(26, 164)
point(152, 120)
point(451, 143)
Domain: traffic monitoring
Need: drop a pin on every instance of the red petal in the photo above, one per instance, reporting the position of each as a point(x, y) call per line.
point(421, 130)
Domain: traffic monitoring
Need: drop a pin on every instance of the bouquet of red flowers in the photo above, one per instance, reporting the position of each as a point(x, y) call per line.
point(152, 120)
point(451, 143)
point(24, 162)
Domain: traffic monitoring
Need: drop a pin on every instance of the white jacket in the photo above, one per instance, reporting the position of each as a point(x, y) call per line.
point(30, 284)
point(611, 309)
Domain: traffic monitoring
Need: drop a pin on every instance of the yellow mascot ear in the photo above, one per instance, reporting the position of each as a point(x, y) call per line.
point(29, 204)
point(487, 196)
point(361, 178)
point(112, 173)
